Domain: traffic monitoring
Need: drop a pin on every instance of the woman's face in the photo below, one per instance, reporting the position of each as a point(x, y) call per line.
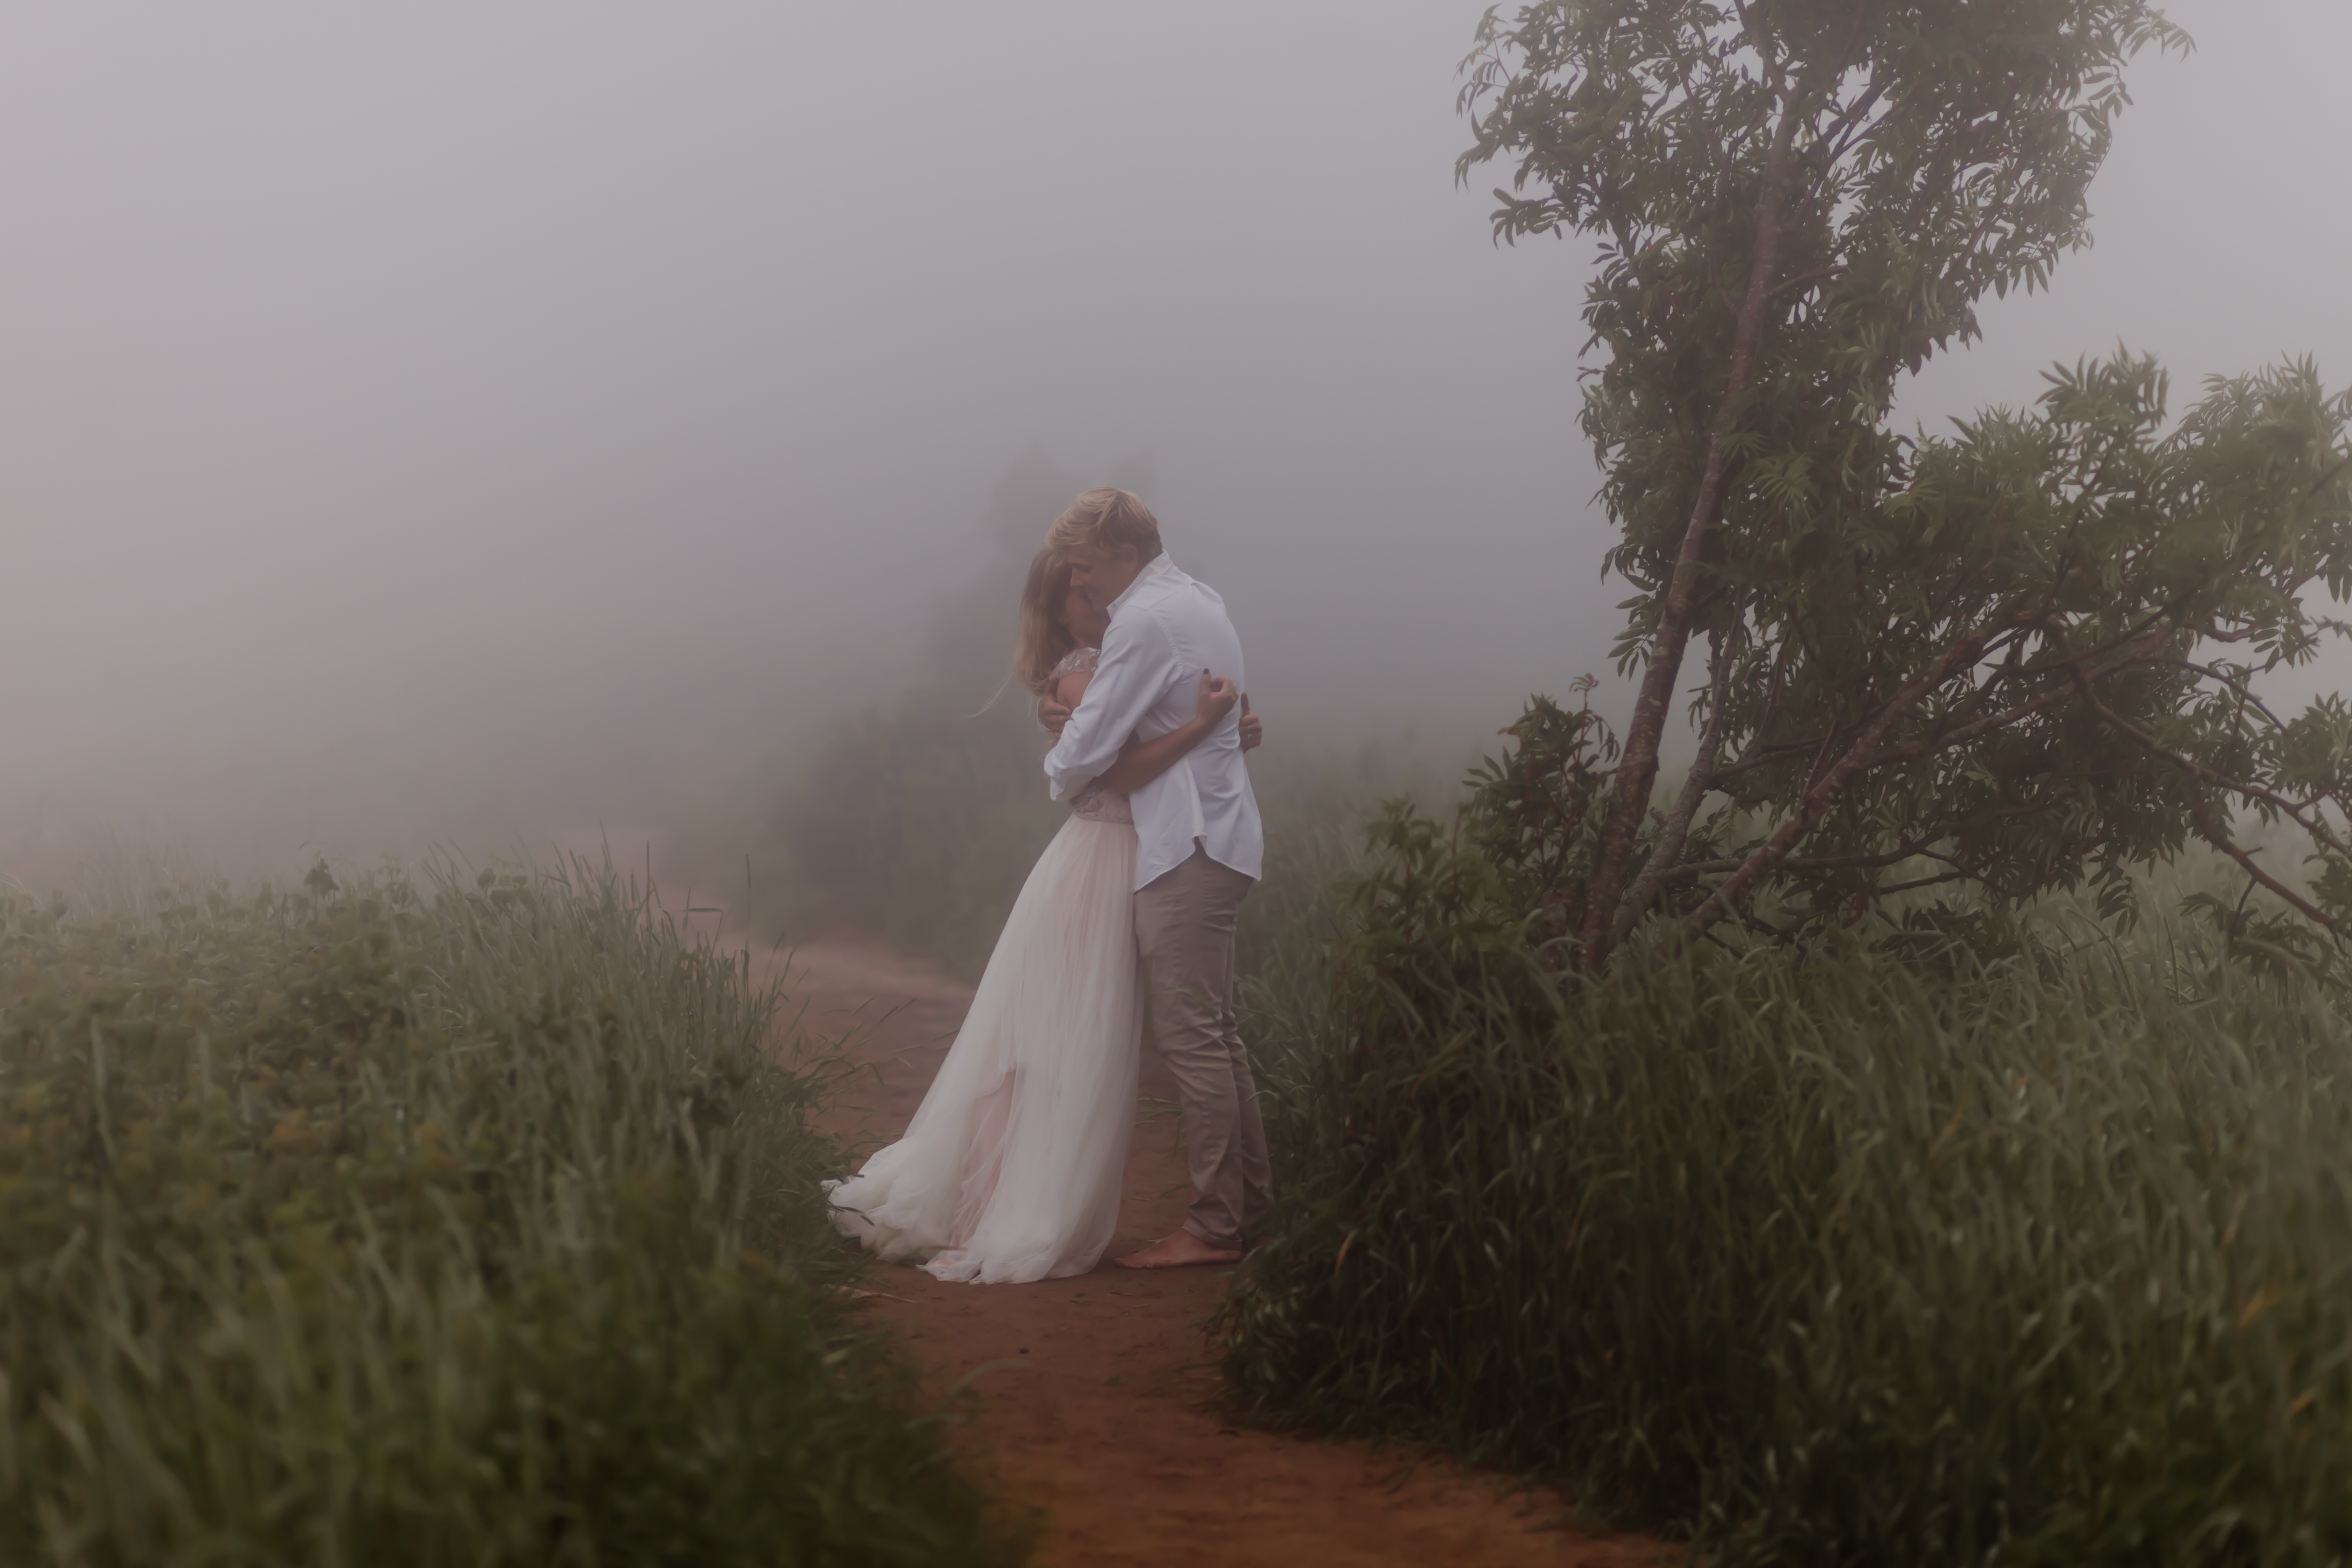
point(1082, 620)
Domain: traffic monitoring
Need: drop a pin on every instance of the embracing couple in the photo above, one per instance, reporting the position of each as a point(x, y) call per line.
point(1011, 1170)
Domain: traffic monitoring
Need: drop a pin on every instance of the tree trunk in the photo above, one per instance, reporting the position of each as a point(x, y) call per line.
point(1638, 770)
point(1669, 851)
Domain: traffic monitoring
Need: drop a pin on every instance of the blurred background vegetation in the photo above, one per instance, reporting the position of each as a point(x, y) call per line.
point(917, 820)
point(913, 820)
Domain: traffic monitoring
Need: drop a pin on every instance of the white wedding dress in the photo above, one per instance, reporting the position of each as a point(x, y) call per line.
point(1011, 1170)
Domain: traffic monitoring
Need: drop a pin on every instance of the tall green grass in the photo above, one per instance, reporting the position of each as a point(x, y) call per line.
point(467, 1222)
point(1819, 1257)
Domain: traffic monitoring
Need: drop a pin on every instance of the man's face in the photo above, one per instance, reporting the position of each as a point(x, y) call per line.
point(1102, 575)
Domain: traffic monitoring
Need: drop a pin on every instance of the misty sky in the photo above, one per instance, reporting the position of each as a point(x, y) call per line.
point(415, 418)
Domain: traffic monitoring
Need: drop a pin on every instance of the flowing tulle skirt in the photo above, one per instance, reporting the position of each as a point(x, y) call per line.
point(1011, 1169)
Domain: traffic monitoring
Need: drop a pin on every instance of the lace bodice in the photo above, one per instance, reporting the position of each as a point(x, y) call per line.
point(1094, 802)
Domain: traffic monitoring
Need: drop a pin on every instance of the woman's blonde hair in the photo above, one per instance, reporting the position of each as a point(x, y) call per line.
point(1106, 518)
point(1042, 640)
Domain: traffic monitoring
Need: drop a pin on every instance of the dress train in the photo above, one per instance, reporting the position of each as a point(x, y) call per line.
point(1011, 1170)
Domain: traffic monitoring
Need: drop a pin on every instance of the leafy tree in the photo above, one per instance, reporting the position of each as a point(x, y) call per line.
point(2015, 658)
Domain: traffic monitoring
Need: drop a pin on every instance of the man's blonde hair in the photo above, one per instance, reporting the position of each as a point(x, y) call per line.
point(1106, 518)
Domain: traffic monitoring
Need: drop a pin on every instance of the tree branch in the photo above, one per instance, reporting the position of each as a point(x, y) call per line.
point(2299, 814)
point(1918, 882)
point(1823, 795)
point(1918, 850)
point(1801, 278)
point(2007, 716)
point(2200, 813)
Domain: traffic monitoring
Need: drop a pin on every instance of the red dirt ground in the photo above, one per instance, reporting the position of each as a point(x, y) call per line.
point(1094, 1394)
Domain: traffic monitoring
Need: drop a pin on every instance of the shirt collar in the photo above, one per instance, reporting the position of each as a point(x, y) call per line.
point(1158, 569)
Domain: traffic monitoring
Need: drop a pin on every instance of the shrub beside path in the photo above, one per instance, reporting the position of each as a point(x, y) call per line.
point(1094, 1394)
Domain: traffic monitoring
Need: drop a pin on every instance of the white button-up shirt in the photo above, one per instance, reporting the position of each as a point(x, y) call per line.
point(1164, 631)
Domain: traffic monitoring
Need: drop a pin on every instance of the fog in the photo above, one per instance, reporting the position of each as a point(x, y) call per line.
point(470, 423)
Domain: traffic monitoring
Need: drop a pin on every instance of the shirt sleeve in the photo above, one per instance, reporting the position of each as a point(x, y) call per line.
point(1136, 668)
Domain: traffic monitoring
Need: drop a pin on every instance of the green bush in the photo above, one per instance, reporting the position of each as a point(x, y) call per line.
point(1821, 1254)
point(385, 1225)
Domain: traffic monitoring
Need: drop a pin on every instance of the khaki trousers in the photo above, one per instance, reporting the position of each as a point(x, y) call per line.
point(1184, 936)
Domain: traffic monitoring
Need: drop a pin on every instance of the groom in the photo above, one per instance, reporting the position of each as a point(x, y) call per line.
point(1198, 847)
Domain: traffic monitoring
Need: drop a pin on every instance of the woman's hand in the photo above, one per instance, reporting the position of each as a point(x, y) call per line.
point(1253, 727)
point(1051, 712)
point(1217, 699)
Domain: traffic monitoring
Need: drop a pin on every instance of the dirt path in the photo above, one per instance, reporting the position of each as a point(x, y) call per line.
point(1095, 1391)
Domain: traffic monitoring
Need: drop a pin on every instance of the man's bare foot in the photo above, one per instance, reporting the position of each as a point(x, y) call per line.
point(1176, 1250)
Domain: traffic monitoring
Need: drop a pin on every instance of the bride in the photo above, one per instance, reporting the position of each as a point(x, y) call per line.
point(1010, 1170)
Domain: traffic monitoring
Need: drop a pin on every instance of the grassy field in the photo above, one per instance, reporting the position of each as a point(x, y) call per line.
point(460, 1220)
point(1818, 1258)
